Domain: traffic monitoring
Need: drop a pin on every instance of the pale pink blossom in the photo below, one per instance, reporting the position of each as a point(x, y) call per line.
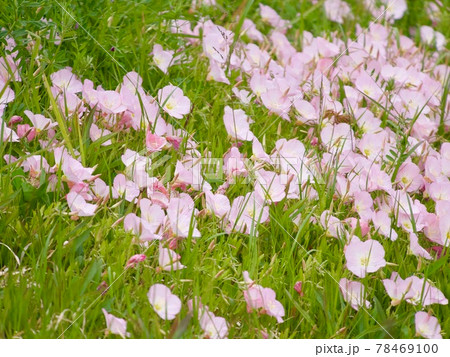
point(439, 191)
point(416, 248)
point(181, 214)
point(35, 165)
point(116, 325)
point(213, 326)
point(338, 137)
point(383, 223)
point(243, 95)
point(169, 260)
point(66, 81)
point(269, 186)
point(427, 326)
point(78, 205)
point(246, 212)
point(110, 102)
point(364, 204)
point(152, 214)
point(333, 225)
point(162, 58)
point(397, 288)
point(262, 299)
point(237, 124)
point(154, 142)
point(173, 101)
point(39, 121)
point(216, 73)
point(307, 113)
point(337, 10)
point(140, 227)
point(217, 203)
point(409, 177)
point(165, 304)
point(422, 292)
point(125, 188)
point(95, 133)
point(250, 30)
point(353, 293)
point(364, 257)
point(270, 16)
point(432, 37)
point(367, 85)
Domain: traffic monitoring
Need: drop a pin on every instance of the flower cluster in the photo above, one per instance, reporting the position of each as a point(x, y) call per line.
point(373, 109)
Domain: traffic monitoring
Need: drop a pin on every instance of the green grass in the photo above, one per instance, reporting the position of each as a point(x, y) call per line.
point(53, 291)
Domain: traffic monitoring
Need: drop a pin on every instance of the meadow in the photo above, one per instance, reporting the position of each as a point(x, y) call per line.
point(224, 169)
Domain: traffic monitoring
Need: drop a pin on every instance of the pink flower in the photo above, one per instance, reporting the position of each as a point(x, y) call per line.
point(333, 225)
point(237, 124)
point(364, 257)
point(366, 84)
point(181, 216)
point(116, 325)
point(234, 163)
point(422, 292)
point(74, 171)
point(337, 10)
point(243, 95)
point(340, 137)
point(439, 191)
point(364, 204)
point(213, 326)
point(262, 299)
point(14, 120)
point(397, 288)
point(427, 326)
point(277, 102)
point(269, 186)
point(290, 156)
point(25, 131)
point(298, 287)
point(78, 206)
point(216, 42)
point(270, 16)
point(371, 145)
point(217, 203)
point(163, 59)
point(409, 177)
point(95, 133)
point(39, 121)
point(154, 142)
point(66, 81)
point(165, 304)
point(382, 222)
point(416, 248)
point(246, 212)
point(307, 113)
point(7, 95)
point(169, 260)
point(140, 227)
point(152, 214)
point(125, 188)
point(137, 258)
point(353, 293)
point(249, 29)
point(173, 102)
point(216, 73)
point(35, 164)
point(110, 102)
point(432, 37)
